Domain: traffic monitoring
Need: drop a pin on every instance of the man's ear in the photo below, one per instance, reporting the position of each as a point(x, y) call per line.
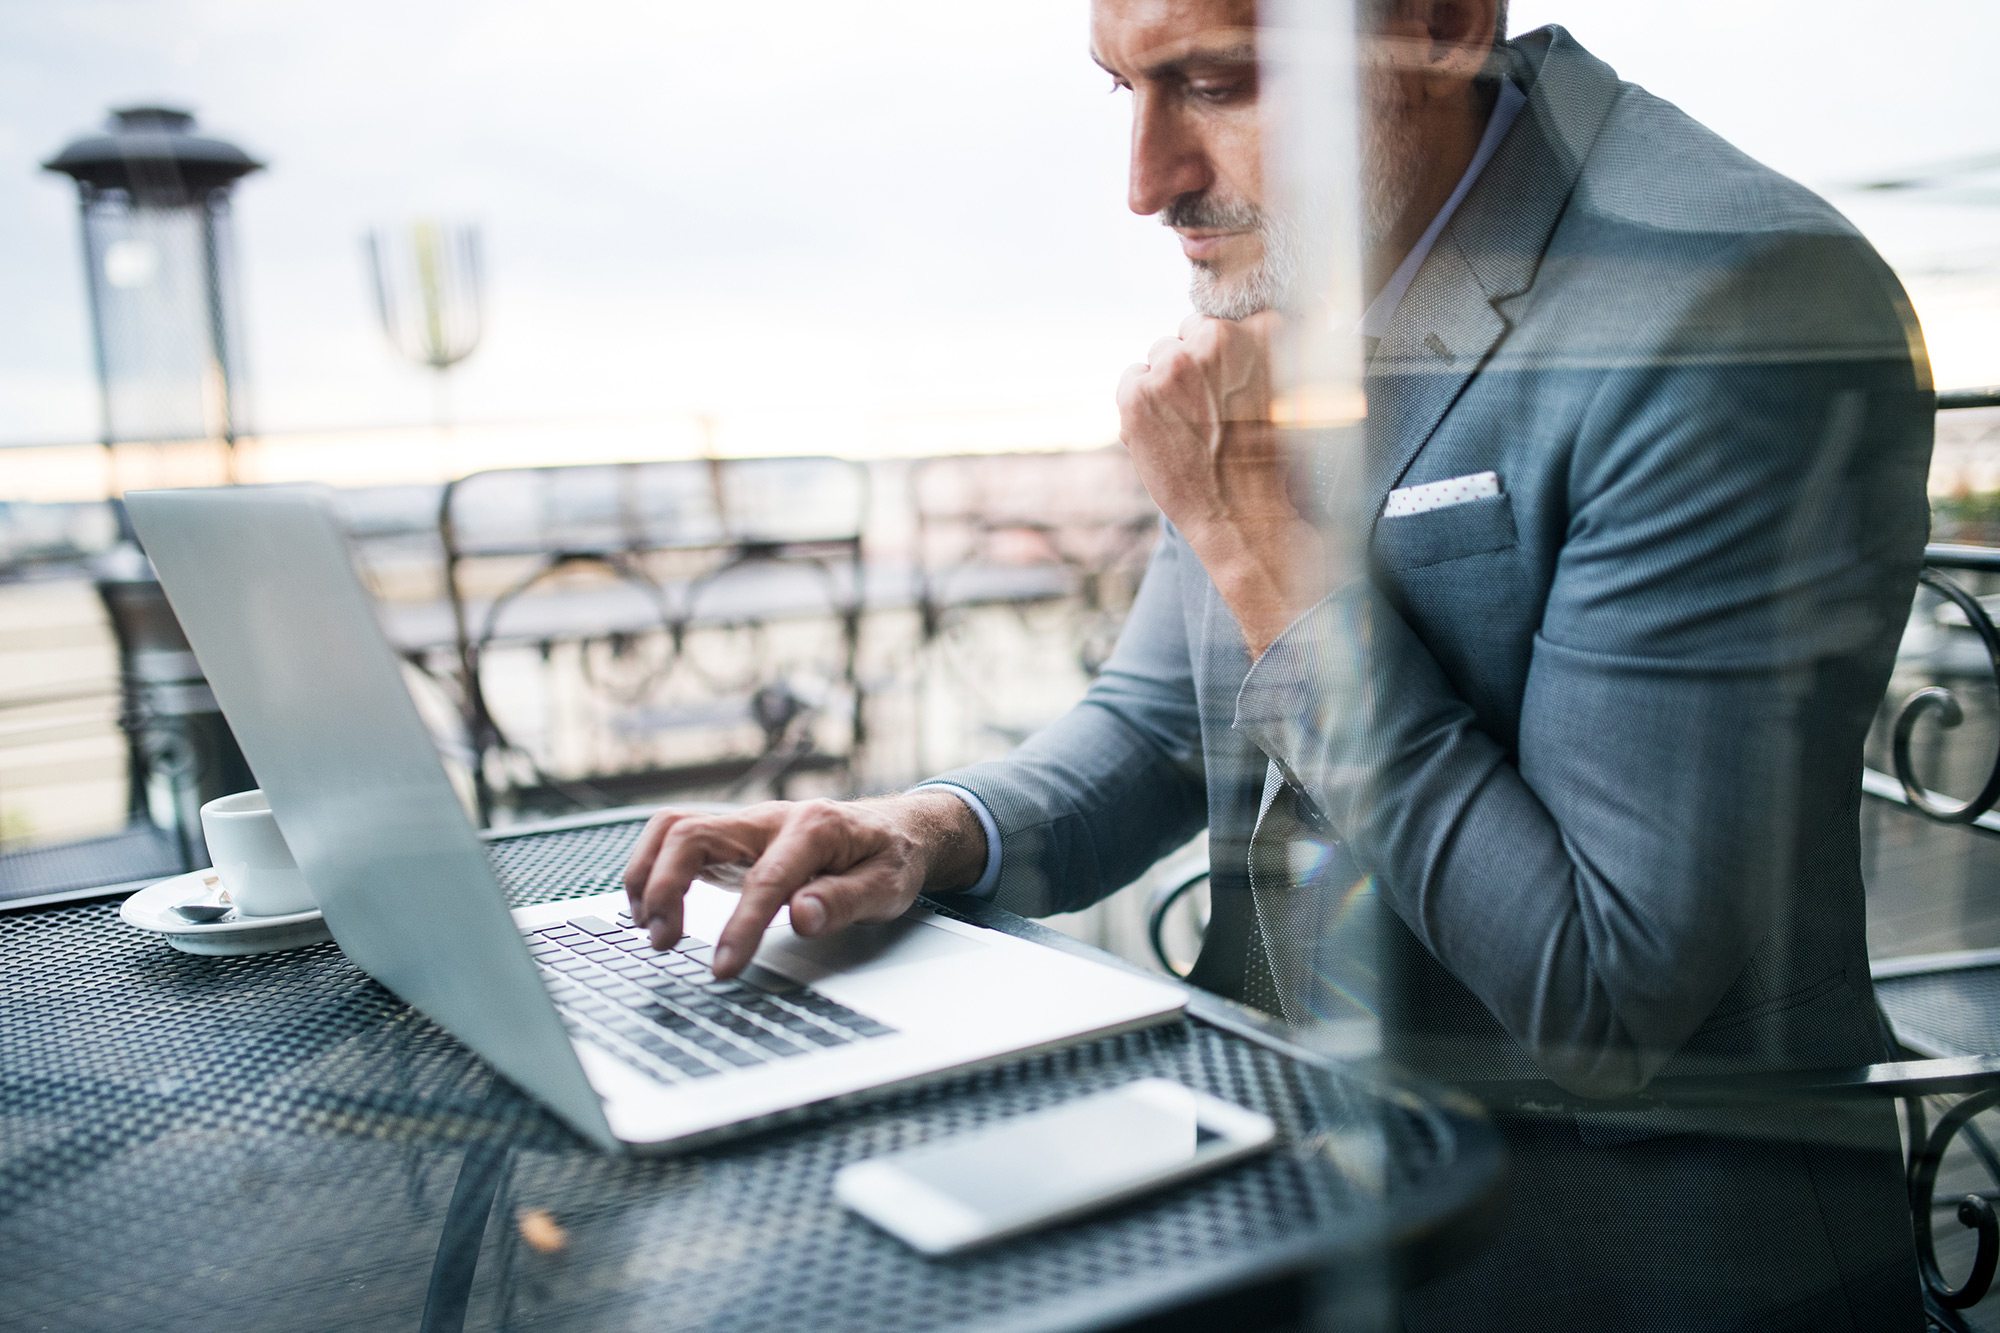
point(1458, 36)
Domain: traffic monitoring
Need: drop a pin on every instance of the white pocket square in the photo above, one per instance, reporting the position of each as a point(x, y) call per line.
point(1441, 494)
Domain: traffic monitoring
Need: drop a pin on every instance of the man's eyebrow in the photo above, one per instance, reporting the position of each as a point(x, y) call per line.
point(1239, 53)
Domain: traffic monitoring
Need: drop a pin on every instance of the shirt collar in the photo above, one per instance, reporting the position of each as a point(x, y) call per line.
point(1506, 108)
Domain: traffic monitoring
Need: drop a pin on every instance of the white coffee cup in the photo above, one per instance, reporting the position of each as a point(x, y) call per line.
point(250, 855)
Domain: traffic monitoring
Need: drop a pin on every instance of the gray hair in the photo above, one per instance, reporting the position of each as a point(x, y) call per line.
point(1373, 10)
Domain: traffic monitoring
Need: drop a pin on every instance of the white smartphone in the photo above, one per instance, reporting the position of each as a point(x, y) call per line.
point(1049, 1165)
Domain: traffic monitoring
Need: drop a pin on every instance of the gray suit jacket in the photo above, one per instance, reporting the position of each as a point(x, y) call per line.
point(1594, 743)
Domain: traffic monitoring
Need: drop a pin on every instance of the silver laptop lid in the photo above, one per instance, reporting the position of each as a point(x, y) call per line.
point(262, 580)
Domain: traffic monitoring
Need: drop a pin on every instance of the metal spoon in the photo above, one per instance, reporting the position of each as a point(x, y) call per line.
point(202, 914)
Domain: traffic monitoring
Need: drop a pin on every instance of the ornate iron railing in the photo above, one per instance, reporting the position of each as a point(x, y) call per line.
point(1940, 701)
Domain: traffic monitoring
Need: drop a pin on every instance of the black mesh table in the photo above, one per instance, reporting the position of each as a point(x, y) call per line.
point(276, 1143)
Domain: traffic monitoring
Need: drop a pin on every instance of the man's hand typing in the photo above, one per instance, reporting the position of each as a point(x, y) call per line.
point(831, 862)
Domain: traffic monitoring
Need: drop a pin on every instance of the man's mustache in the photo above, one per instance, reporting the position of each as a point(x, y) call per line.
point(1196, 212)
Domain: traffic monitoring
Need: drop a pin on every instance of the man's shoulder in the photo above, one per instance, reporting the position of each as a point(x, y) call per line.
point(1675, 242)
point(1725, 252)
point(1708, 253)
point(1655, 168)
point(1642, 162)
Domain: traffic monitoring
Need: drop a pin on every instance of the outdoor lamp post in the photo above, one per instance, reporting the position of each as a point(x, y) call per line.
point(160, 277)
point(164, 330)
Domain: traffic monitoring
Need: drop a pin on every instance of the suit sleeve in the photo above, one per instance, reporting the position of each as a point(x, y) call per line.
point(1085, 805)
point(1741, 545)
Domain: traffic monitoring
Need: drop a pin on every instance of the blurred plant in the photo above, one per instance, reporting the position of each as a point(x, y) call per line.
point(1966, 515)
point(429, 294)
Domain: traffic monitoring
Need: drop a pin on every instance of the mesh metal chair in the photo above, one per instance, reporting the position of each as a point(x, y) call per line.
point(673, 595)
point(1059, 535)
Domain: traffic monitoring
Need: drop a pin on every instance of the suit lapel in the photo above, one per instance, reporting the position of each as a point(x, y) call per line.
point(1449, 322)
point(1443, 329)
point(1443, 332)
point(1274, 782)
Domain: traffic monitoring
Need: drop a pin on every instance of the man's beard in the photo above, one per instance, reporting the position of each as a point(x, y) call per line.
point(1271, 282)
point(1389, 177)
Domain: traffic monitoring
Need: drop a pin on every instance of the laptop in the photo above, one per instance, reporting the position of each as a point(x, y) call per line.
point(634, 1047)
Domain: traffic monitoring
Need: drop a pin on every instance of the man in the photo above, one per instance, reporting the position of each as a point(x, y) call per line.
point(1644, 482)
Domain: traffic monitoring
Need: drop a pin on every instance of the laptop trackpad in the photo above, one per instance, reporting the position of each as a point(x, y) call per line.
point(873, 946)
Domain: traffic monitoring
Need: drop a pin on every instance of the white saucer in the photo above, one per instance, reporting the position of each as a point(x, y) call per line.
point(152, 909)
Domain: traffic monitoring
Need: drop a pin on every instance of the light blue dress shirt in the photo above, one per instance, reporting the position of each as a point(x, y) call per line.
point(990, 876)
point(1374, 323)
point(1506, 109)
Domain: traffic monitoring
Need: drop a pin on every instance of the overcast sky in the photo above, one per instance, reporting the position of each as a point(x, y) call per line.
point(897, 207)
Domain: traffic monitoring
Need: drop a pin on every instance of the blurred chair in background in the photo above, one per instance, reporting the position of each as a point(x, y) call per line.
point(1058, 541)
point(622, 630)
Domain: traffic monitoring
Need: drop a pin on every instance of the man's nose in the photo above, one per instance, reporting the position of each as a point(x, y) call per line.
point(1167, 162)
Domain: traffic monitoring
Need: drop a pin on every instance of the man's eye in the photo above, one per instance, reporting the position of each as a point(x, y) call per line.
point(1218, 92)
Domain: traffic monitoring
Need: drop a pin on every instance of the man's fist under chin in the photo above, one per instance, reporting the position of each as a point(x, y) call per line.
point(1196, 418)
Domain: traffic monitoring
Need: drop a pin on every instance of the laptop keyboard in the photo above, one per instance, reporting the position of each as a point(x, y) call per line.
point(667, 1013)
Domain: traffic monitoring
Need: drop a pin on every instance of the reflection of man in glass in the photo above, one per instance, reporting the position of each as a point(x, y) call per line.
point(1644, 477)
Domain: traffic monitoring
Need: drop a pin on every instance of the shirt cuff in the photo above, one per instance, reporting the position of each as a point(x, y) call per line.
point(1297, 671)
point(989, 879)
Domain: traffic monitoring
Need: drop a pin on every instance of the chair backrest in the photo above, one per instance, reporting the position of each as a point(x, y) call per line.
point(1084, 511)
point(1069, 485)
point(688, 504)
point(638, 560)
point(1938, 730)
